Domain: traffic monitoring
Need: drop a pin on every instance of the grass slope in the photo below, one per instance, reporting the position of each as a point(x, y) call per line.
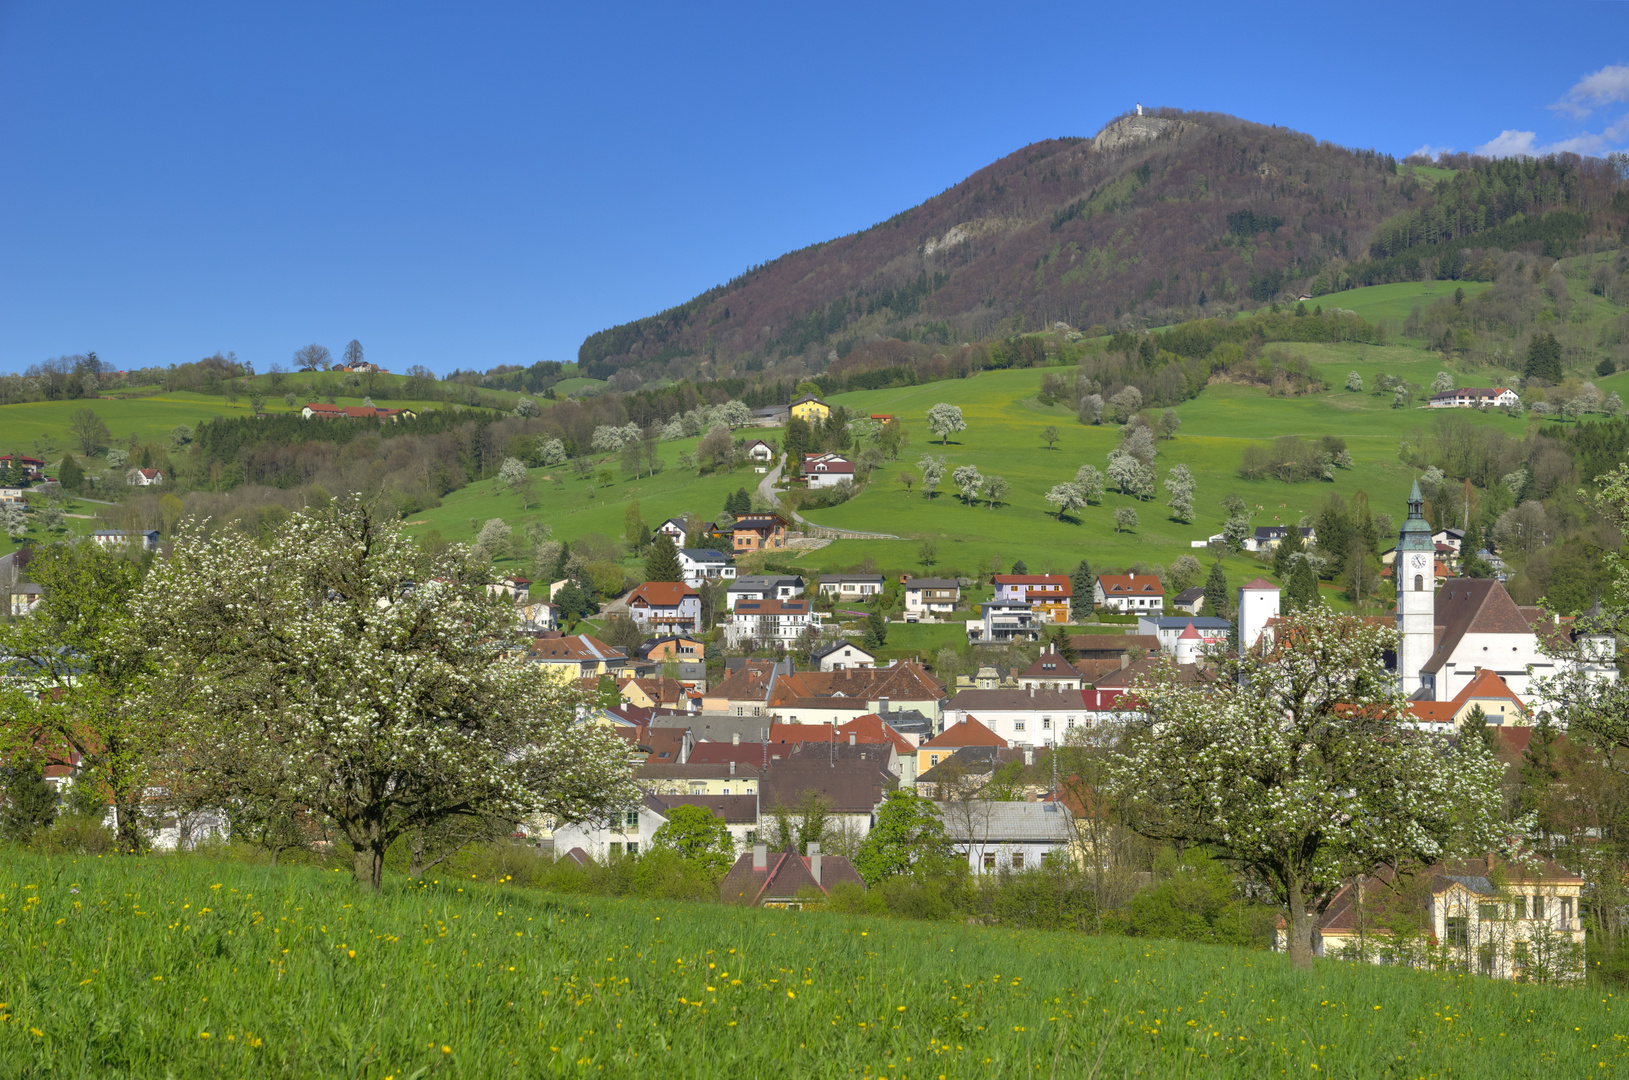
point(189, 967)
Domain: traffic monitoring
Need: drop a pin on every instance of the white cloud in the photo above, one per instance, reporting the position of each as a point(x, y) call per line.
point(1609, 84)
point(1431, 151)
point(1512, 143)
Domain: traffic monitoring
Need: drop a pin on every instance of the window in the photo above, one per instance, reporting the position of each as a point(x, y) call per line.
point(726, 791)
point(1487, 912)
point(1566, 911)
point(1487, 958)
point(989, 860)
point(1455, 932)
point(1538, 907)
point(1018, 860)
point(933, 759)
point(633, 847)
point(633, 818)
point(752, 836)
point(1046, 723)
point(1419, 583)
point(738, 710)
point(616, 848)
point(1018, 725)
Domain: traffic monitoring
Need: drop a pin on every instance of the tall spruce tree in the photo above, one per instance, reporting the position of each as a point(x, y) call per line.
point(1303, 587)
point(1217, 603)
point(1084, 586)
point(1543, 359)
point(662, 564)
point(1290, 545)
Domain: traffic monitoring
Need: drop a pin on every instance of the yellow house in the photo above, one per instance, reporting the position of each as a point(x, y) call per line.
point(810, 408)
point(576, 657)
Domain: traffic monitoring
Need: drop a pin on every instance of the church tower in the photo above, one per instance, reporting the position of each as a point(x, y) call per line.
point(1414, 571)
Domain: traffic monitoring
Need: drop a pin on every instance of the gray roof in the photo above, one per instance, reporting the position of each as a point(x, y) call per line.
point(1188, 596)
point(710, 555)
point(820, 654)
point(932, 583)
point(981, 822)
point(1012, 699)
point(1200, 622)
point(760, 582)
point(851, 577)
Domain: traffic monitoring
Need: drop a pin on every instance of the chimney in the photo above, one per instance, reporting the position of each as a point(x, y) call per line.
point(1125, 661)
point(851, 736)
point(814, 862)
point(760, 857)
point(1029, 756)
point(1031, 689)
point(882, 705)
point(735, 738)
point(732, 767)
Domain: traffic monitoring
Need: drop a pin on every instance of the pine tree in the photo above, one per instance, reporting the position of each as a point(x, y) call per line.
point(876, 630)
point(30, 802)
point(71, 475)
point(1288, 546)
point(1543, 359)
point(1058, 639)
point(1476, 727)
point(1303, 588)
point(662, 564)
point(1538, 769)
point(1217, 604)
point(1019, 567)
point(1083, 585)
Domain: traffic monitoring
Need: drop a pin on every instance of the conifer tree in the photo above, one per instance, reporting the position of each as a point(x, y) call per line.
point(1083, 585)
point(1217, 605)
point(1290, 545)
point(662, 564)
point(1303, 588)
point(1019, 567)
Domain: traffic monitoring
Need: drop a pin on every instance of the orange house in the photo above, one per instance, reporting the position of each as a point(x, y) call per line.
point(759, 532)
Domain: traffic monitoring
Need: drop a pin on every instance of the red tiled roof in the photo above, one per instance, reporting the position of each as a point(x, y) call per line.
point(967, 733)
point(1126, 585)
point(1030, 579)
point(1262, 583)
point(661, 594)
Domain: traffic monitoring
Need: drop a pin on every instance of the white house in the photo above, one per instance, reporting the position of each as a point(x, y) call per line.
point(1132, 593)
point(770, 620)
point(840, 656)
point(673, 529)
point(704, 564)
point(928, 598)
point(1168, 628)
point(1474, 397)
point(850, 586)
point(759, 451)
point(144, 477)
point(119, 538)
point(763, 587)
point(665, 606)
point(996, 836)
point(1002, 621)
point(827, 470)
point(1258, 607)
point(1033, 717)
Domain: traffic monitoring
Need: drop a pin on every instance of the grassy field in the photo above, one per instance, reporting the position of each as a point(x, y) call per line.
point(150, 419)
point(1395, 301)
point(189, 967)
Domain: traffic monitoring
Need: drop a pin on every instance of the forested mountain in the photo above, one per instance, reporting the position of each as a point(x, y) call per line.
point(1159, 218)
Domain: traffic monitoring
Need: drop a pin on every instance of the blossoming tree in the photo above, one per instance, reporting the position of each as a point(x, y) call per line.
point(368, 676)
point(1297, 764)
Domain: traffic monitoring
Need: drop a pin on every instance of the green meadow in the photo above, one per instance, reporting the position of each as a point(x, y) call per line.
point(195, 967)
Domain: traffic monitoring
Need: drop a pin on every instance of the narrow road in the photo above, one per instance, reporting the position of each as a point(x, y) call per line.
point(766, 491)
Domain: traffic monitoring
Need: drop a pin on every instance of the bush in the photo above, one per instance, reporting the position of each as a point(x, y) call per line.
point(608, 579)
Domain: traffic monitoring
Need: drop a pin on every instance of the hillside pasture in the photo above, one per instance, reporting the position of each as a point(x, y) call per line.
point(195, 967)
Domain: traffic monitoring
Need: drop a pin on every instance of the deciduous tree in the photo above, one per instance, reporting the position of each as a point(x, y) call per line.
point(908, 832)
point(695, 834)
point(945, 420)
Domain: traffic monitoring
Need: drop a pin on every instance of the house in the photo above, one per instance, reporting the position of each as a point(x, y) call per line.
point(1452, 539)
point(33, 468)
point(928, 598)
point(1121, 648)
point(517, 589)
point(763, 587)
point(821, 697)
point(321, 411)
point(854, 587)
point(997, 836)
point(699, 778)
point(144, 477)
point(810, 408)
point(827, 470)
point(759, 532)
point(698, 565)
point(1487, 691)
point(967, 773)
point(687, 654)
point(1111, 700)
point(1212, 632)
point(1258, 608)
point(665, 606)
point(11, 495)
point(148, 541)
point(841, 654)
point(1189, 601)
point(1032, 717)
point(759, 451)
point(577, 657)
point(1004, 621)
point(673, 529)
point(968, 733)
point(1047, 594)
point(630, 831)
point(1497, 918)
point(769, 416)
point(657, 692)
point(25, 597)
point(780, 621)
point(1049, 672)
point(1474, 397)
point(538, 616)
point(988, 677)
point(851, 779)
point(785, 879)
point(1129, 593)
point(744, 690)
point(1268, 537)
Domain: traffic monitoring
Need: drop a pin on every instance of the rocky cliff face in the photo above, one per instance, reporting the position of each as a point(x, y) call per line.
point(1130, 132)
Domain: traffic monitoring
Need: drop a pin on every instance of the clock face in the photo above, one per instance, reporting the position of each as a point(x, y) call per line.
point(1417, 561)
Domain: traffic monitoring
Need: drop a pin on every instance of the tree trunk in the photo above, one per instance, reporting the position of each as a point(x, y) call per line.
point(127, 826)
point(1300, 928)
point(415, 847)
point(369, 847)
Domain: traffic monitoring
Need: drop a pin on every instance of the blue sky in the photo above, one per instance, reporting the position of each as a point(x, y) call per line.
point(463, 185)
